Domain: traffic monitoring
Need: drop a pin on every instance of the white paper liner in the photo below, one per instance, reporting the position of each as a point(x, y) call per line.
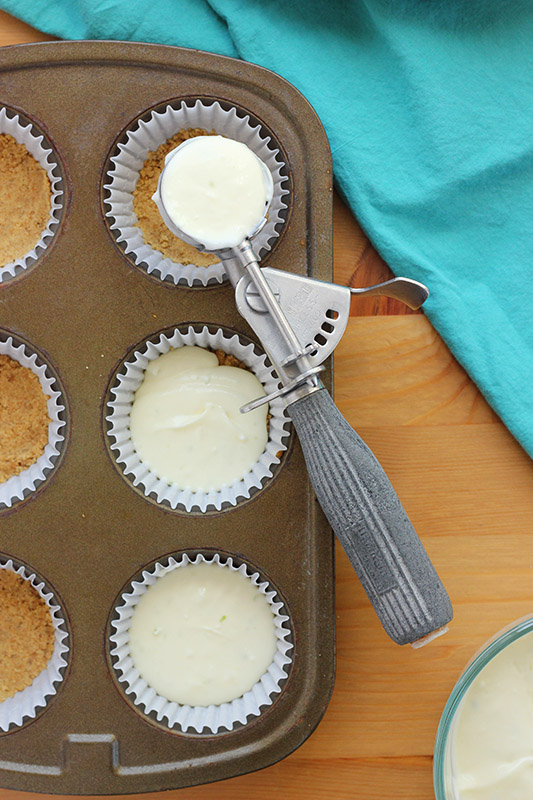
point(25, 134)
point(213, 717)
point(14, 710)
point(130, 378)
point(18, 486)
point(148, 136)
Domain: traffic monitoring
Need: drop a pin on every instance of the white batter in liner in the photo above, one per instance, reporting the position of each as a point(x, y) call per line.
point(212, 718)
point(202, 636)
point(186, 424)
point(130, 377)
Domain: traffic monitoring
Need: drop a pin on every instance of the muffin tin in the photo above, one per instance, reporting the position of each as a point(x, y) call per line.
point(84, 305)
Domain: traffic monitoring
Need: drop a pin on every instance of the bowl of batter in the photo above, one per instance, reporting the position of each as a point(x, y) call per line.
point(484, 744)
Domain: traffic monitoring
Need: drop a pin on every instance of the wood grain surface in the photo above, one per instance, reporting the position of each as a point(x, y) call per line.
point(468, 488)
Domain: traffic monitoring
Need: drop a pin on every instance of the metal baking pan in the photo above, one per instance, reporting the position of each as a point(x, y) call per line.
point(84, 305)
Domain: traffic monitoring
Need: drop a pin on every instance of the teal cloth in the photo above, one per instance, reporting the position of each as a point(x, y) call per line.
point(428, 105)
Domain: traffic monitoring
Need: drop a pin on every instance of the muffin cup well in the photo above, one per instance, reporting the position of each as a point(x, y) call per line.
point(27, 134)
point(213, 718)
point(130, 377)
point(25, 703)
point(19, 486)
point(146, 136)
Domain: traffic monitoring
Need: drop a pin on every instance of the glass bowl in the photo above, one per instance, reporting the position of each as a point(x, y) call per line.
point(443, 765)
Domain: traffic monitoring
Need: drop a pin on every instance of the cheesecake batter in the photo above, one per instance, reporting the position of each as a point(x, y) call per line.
point(215, 190)
point(202, 634)
point(154, 231)
point(493, 740)
point(185, 421)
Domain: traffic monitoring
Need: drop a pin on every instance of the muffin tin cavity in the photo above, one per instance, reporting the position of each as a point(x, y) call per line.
point(26, 132)
point(210, 719)
point(117, 407)
point(123, 179)
point(26, 704)
point(19, 486)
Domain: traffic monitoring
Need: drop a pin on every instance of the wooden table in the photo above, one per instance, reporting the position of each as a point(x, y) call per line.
point(468, 488)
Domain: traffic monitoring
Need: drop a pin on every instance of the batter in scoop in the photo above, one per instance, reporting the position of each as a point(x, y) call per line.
point(215, 190)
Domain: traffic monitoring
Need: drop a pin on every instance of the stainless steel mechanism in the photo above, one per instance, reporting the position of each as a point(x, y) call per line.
point(352, 488)
point(316, 311)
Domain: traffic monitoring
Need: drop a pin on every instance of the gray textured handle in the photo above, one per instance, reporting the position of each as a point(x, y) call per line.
point(364, 511)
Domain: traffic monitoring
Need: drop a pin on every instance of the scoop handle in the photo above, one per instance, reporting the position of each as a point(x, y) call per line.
point(370, 522)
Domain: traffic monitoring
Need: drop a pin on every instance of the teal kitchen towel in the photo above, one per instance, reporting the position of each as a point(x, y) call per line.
point(428, 105)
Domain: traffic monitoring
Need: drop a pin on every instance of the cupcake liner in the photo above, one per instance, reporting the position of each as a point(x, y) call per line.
point(25, 134)
point(19, 486)
point(214, 717)
point(130, 378)
point(25, 703)
point(147, 136)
